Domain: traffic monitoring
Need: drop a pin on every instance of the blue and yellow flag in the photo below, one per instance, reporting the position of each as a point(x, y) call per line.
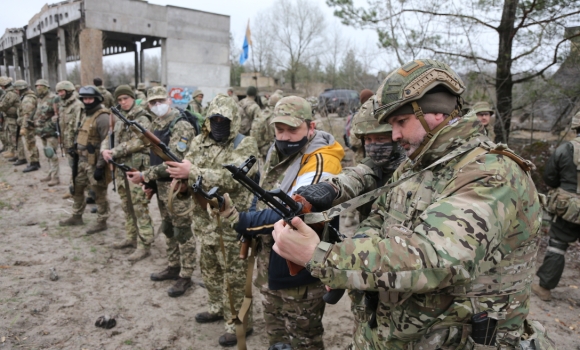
point(246, 47)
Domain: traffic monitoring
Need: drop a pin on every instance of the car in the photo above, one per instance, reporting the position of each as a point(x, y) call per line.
point(340, 101)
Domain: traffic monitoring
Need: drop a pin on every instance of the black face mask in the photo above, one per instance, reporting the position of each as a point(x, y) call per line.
point(67, 95)
point(380, 153)
point(91, 106)
point(288, 148)
point(219, 131)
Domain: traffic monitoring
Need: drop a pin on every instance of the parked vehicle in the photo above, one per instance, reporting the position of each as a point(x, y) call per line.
point(340, 101)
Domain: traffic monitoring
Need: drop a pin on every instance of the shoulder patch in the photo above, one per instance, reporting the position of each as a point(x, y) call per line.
point(182, 144)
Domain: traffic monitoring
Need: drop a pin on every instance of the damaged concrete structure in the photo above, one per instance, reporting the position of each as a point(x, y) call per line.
point(194, 44)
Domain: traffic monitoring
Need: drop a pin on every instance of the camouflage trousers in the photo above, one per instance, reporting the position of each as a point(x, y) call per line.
point(83, 180)
point(52, 161)
point(142, 230)
point(28, 142)
point(217, 274)
point(181, 247)
point(10, 127)
point(294, 316)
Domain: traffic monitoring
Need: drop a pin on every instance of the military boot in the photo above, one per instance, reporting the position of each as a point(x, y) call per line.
point(207, 317)
point(34, 166)
point(126, 243)
point(20, 162)
point(13, 159)
point(98, 227)
point(182, 284)
point(170, 273)
point(46, 179)
point(75, 220)
point(229, 339)
point(139, 254)
point(55, 181)
point(542, 293)
point(8, 155)
point(67, 195)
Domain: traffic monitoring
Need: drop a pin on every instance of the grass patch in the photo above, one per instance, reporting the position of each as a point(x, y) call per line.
point(4, 205)
point(93, 250)
point(128, 342)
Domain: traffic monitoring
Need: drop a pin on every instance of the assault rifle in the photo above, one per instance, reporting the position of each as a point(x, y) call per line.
point(288, 208)
point(111, 146)
point(203, 198)
point(158, 147)
point(125, 169)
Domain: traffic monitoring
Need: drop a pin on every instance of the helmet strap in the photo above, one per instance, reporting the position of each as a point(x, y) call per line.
point(430, 133)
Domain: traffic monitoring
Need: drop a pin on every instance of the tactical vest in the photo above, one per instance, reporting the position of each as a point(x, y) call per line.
point(563, 203)
point(12, 112)
point(88, 137)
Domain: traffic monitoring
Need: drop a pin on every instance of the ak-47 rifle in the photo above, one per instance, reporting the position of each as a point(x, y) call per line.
point(111, 146)
point(158, 147)
point(125, 168)
point(288, 208)
point(58, 131)
point(203, 198)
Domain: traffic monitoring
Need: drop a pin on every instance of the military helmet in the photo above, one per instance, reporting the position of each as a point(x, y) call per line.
point(20, 85)
point(575, 121)
point(65, 85)
point(42, 82)
point(292, 110)
point(481, 107)
point(5, 80)
point(364, 122)
point(90, 91)
point(411, 82)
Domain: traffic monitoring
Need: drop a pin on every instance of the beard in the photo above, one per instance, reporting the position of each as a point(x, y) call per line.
point(410, 146)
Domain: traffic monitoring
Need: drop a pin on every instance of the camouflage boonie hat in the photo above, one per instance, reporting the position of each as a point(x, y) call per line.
point(222, 105)
point(292, 110)
point(5, 80)
point(42, 82)
point(481, 107)
point(575, 121)
point(20, 85)
point(197, 93)
point(65, 85)
point(411, 82)
point(364, 123)
point(156, 93)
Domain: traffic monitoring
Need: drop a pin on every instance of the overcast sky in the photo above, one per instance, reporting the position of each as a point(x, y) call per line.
point(17, 13)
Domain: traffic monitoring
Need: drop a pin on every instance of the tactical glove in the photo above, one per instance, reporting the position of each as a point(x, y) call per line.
point(71, 151)
point(99, 174)
point(320, 195)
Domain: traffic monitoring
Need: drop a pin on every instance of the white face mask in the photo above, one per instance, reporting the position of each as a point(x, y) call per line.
point(160, 109)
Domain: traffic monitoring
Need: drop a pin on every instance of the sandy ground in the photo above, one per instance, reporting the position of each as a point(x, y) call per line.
point(94, 280)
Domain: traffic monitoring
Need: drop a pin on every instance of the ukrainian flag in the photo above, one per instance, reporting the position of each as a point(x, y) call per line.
point(246, 47)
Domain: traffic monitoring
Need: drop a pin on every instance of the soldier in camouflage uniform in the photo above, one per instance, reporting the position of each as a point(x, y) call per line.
point(2, 133)
point(232, 94)
point(9, 106)
point(141, 92)
point(130, 150)
point(458, 235)
point(301, 155)
point(195, 105)
point(26, 139)
point(108, 100)
point(177, 133)
point(93, 129)
point(46, 130)
point(262, 130)
point(250, 110)
point(207, 153)
point(70, 112)
point(484, 114)
point(355, 142)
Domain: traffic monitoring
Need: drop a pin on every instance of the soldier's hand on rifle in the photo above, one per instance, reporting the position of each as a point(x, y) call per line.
point(320, 195)
point(179, 170)
point(99, 174)
point(23, 131)
point(107, 155)
point(148, 191)
point(71, 151)
point(135, 177)
point(229, 213)
point(295, 245)
point(54, 118)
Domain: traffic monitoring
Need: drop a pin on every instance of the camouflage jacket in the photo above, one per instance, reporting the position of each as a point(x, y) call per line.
point(196, 107)
point(250, 112)
point(45, 127)
point(70, 114)
point(207, 156)
point(445, 244)
point(108, 99)
point(129, 147)
point(9, 103)
point(263, 132)
point(181, 137)
point(27, 110)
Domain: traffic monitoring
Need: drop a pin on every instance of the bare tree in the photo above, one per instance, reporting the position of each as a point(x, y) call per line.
point(336, 46)
point(529, 35)
point(298, 28)
point(261, 57)
point(152, 67)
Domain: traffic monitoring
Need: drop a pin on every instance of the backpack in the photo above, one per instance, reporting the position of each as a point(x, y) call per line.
point(189, 117)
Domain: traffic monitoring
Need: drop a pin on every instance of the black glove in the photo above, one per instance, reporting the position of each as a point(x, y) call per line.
point(71, 151)
point(99, 174)
point(320, 195)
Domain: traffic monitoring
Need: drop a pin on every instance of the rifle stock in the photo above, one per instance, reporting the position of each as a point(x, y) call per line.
point(287, 207)
point(125, 169)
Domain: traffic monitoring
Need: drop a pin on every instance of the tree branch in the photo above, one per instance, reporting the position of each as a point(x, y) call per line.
point(475, 19)
point(549, 20)
point(454, 54)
